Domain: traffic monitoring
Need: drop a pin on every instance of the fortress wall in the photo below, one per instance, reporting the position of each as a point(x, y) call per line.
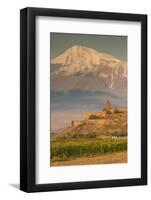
point(76, 123)
point(98, 121)
point(122, 109)
point(88, 114)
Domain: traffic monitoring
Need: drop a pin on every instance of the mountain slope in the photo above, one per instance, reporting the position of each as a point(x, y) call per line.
point(84, 68)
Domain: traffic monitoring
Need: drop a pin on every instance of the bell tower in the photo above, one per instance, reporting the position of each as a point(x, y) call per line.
point(108, 106)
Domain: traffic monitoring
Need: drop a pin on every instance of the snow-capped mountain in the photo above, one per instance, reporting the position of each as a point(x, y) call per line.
point(84, 68)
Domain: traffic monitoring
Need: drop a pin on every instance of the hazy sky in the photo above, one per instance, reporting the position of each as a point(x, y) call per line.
point(114, 45)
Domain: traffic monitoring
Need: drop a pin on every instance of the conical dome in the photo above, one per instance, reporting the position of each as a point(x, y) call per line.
point(108, 106)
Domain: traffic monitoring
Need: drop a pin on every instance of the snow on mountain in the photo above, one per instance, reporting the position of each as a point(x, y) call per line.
point(80, 55)
point(80, 66)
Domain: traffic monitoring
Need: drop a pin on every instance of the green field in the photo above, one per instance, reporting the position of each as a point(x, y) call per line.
point(65, 150)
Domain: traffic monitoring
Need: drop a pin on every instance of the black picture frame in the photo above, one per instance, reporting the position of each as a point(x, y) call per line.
point(28, 99)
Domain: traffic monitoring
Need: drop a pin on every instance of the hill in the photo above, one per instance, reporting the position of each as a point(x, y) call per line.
point(103, 124)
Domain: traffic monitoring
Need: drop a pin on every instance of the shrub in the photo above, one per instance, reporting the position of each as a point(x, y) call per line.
point(108, 112)
point(94, 117)
point(91, 135)
point(119, 133)
point(84, 135)
point(116, 111)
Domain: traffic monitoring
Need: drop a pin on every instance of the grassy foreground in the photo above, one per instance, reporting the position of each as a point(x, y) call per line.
point(70, 150)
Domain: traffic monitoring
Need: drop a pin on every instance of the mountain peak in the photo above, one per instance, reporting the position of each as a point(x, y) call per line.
point(80, 55)
point(77, 48)
point(88, 68)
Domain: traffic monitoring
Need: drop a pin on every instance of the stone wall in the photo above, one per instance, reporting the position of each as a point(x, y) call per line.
point(98, 122)
point(76, 123)
point(98, 114)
